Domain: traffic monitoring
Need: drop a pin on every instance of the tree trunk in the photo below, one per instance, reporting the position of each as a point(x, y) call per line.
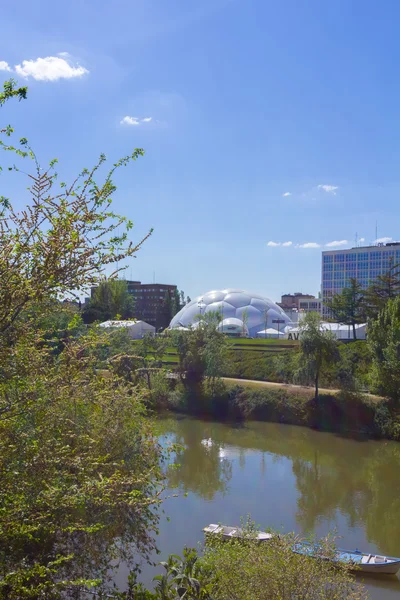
point(316, 385)
point(354, 331)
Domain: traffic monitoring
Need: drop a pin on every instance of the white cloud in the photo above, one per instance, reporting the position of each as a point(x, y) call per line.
point(4, 66)
point(337, 243)
point(361, 240)
point(383, 240)
point(329, 189)
point(286, 194)
point(130, 121)
point(135, 120)
point(50, 68)
point(272, 244)
point(308, 245)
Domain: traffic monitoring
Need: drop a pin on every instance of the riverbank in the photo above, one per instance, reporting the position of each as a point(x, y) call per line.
point(287, 478)
point(334, 411)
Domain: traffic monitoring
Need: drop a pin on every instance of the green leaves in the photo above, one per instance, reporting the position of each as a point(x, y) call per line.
point(77, 461)
point(10, 90)
point(80, 474)
point(318, 348)
point(349, 307)
point(384, 342)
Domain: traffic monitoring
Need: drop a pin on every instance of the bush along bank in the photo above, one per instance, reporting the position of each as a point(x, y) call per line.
point(342, 412)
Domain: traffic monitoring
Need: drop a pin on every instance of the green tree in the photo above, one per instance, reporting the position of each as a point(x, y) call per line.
point(245, 319)
point(173, 303)
point(80, 472)
point(318, 348)
point(348, 307)
point(201, 354)
point(151, 349)
point(384, 342)
point(384, 288)
point(110, 299)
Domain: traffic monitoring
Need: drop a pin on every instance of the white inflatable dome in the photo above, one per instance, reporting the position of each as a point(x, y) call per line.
point(233, 326)
point(253, 311)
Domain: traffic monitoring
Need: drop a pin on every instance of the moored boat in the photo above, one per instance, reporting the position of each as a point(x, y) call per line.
point(229, 533)
point(362, 561)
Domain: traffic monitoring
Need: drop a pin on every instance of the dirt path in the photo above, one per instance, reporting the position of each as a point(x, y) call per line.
point(302, 389)
point(270, 384)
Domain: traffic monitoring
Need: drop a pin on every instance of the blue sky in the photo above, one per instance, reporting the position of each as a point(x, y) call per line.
point(236, 104)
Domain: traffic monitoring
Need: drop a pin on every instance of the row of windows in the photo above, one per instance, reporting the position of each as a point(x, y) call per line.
point(309, 305)
point(352, 268)
point(148, 290)
point(361, 256)
point(339, 285)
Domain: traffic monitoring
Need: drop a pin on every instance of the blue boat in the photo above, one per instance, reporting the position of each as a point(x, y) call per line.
point(362, 561)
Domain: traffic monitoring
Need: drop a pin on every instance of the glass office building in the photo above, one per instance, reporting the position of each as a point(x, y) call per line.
point(363, 264)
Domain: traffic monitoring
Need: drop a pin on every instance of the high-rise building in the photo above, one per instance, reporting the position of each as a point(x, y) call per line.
point(364, 264)
point(150, 302)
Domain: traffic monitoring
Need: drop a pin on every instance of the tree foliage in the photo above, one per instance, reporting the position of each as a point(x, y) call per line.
point(173, 303)
point(10, 90)
point(348, 307)
point(246, 570)
point(201, 354)
point(110, 299)
point(270, 571)
point(384, 288)
point(384, 342)
point(318, 348)
point(80, 472)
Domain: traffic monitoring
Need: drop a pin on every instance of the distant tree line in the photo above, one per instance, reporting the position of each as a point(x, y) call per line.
point(111, 299)
point(354, 305)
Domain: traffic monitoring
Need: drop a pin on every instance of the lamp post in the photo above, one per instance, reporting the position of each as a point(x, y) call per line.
point(200, 305)
point(265, 322)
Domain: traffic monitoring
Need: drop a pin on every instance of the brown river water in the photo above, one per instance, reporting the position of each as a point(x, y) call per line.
point(286, 477)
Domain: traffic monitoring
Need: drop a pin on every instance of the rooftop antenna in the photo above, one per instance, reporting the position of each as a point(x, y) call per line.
point(356, 240)
point(154, 276)
point(376, 232)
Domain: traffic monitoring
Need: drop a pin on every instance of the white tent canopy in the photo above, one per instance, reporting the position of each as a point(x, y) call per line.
point(340, 331)
point(270, 332)
point(136, 329)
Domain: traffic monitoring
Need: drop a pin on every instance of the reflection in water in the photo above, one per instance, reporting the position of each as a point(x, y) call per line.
point(200, 465)
point(291, 477)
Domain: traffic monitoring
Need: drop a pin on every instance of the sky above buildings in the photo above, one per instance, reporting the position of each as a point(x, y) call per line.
point(271, 129)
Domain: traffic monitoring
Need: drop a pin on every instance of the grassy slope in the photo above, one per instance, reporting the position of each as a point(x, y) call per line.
point(262, 346)
point(297, 390)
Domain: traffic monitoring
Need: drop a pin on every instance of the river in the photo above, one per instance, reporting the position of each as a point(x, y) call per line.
point(286, 477)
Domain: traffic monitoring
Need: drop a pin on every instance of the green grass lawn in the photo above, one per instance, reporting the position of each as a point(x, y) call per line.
point(256, 346)
point(261, 342)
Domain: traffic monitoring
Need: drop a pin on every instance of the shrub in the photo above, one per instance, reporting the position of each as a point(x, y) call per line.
point(268, 571)
point(244, 570)
point(345, 412)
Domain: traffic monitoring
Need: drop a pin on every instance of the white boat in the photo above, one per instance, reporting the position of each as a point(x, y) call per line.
point(362, 561)
point(229, 533)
